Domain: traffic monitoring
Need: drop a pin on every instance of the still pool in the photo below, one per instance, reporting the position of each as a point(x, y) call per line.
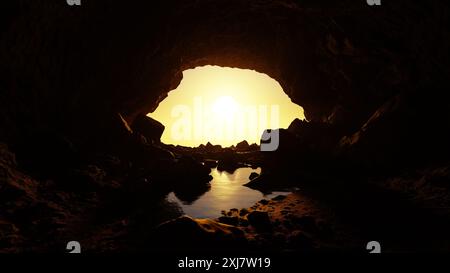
point(227, 191)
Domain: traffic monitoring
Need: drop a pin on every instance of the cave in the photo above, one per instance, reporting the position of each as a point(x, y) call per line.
point(81, 160)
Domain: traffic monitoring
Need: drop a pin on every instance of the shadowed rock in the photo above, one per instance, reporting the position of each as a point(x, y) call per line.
point(148, 127)
point(242, 146)
point(260, 221)
point(188, 233)
point(253, 175)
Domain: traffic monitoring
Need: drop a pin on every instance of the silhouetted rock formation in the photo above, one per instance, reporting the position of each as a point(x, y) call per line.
point(253, 175)
point(187, 233)
point(260, 220)
point(242, 146)
point(404, 137)
point(228, 162)
point(148, 127)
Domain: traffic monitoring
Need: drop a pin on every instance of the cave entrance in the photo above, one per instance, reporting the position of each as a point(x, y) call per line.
point(224, 106)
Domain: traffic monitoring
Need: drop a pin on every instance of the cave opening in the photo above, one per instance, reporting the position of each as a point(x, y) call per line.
point(224, 106)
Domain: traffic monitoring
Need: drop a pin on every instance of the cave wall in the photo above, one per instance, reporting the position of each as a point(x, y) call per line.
point(68, 69)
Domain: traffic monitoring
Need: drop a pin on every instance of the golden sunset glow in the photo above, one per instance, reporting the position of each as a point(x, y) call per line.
point(224, 106)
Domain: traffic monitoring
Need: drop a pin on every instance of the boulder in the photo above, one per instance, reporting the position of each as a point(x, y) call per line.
point(397, 136)
point(242, 146)
point(228, 162)
point(260, 220)
point(253, 175)
point(151, 129)
point(210, 163)
point(234, 221)
point(189, 233)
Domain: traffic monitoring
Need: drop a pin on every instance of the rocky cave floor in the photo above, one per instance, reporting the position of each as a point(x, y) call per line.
point(109, 211)
point(80, 160)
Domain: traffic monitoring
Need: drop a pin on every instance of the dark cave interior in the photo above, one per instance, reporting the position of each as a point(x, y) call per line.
point(79, 158)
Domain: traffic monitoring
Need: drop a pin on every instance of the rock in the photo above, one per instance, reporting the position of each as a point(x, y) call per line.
point(48, 154)
point(307, 223)
point(385, 142)
point(188, 233)
point(212, 148)
point(189, 192)
point(242, 146)
point(151, 129)
point(296, 126)
point(253, 175)
point(210, 163)
point(87, 179)
point(279, 198)
point(228, 162)
point(243, 212)
point(234, 221)
point(188, 168)
point(260, 182)
point(260, 220)
point(254, 147)
point(243, 222)
point(300, 241)
point(187, 178)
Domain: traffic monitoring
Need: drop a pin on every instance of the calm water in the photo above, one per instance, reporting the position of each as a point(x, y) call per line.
point(227, 192)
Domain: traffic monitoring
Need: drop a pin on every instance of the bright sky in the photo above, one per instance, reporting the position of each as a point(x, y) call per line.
point(224, 106)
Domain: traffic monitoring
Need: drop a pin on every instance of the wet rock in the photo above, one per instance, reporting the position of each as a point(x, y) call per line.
point(253, 175)
point(187, 169)
point(234, 221)
point(210, 163)
point(279, 198)
point(266, 183)
point(373, 149)
point(243, 212)
point(260, 220)
point(243, 222)
point(190, 192)
point(228, 161)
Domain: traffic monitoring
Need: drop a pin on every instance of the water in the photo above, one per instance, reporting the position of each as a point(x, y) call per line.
point(226, 192)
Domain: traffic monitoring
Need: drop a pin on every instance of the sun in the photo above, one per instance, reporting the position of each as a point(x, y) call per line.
point(225, 106)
